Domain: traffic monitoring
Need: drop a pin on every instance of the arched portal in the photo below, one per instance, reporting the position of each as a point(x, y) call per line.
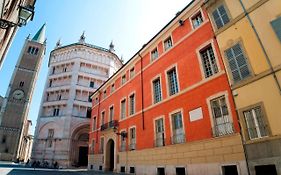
point(80, 146)
point(109, 161)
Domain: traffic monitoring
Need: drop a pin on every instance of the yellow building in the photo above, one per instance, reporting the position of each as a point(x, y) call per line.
point(249, 37)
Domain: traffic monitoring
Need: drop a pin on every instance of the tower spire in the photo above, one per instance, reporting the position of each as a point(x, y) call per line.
point(58, 44)
point(111, 47)
point(40, 35)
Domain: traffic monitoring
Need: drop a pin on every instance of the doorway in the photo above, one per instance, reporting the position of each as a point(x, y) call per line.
point(83, 156)
point(110, 155)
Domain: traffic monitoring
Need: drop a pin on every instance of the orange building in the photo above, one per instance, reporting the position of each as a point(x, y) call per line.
point(169, 109)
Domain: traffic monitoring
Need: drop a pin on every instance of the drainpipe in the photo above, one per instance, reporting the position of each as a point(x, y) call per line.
point(142, 103)
point(236, 112)
point(262, 46)
point(98, 117)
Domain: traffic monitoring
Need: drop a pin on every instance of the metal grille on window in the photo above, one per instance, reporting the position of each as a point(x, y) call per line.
point(255, 123)
point(237, 63)
point(209, 62)
point(222, 122)
point(157, 90)
point(173, 83)
point(220, 16)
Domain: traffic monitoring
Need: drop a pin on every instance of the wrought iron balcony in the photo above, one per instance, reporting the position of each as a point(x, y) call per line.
point(111, 124)
point(160, 141)
point(223, 129)
point(178, 138)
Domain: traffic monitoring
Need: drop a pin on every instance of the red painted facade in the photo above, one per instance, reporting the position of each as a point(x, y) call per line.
point(194, 89)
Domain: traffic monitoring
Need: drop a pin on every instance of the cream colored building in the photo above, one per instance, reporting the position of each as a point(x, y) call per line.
point(26, 143)
point(75, 72)
point(249, 36)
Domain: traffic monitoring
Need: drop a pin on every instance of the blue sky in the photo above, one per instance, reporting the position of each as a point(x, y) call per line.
point(129, 23)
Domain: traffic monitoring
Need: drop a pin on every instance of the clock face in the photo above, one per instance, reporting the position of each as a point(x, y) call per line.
point(18, 94)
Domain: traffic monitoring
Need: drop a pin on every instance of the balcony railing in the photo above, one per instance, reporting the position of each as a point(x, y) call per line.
point(111, 124)
point(160, 141)
point(178, 138)
point(223, 129)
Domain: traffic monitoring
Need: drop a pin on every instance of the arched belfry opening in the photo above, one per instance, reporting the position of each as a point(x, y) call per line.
point(109, 160)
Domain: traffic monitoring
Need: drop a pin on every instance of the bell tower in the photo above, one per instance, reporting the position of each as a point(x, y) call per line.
point(15, 107)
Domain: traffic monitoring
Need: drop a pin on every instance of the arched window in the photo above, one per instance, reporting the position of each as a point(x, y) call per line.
point(21, 84)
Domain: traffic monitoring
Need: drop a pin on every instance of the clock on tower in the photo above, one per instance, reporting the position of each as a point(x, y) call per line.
point(14, 110)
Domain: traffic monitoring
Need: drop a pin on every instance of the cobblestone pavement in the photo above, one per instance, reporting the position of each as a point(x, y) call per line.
point(17, 169)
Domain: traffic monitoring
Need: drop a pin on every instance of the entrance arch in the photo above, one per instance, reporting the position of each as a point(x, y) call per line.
point(79, 146)
point(109, 160)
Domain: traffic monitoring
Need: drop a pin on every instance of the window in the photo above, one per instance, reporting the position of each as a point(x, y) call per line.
point(102, 118)
point(229, 169)
point(92, 84)
point(132, 104)
point(237, 63)
point(276, 25)
point(93, 146)
point(177, 127)
point(132, 169)
point(94, 123)
point(266, 169)
point(255, 123)
point(180, 171)
point(197, 20)
point(21, 84)
point(32, 50)
point(168, 43)
point(56, 112)
point(65, 69)
point(222, 122)
point(220, 16)
point(123, 80)
point(50, 83)
point(111, 113)
point(4, 137)
point(209, 62)
point(172, 81)
point(123, 141)
point(132, 138)
point(161, 171)
point(54, 69)
point(104, 94)
point(112, 88)
point(100, 167)
point(154, 54)
point(123, 109)
point(132, 72)
point(50, 137)
point(157, 90)
point(122, 169)
point(101, 144)
point(97, 100)
point(159, 129)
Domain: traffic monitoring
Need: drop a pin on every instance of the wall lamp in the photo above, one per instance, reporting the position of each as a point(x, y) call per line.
point(181, 22)
point(123, 134)
point(25, 14)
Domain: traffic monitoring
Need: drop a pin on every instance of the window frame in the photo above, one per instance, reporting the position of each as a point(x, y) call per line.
point(215, 7)
point(174, 66)
point(125, 112)
point(94, 123)
point(132, 72)
point(164, 41)
point(198, 51)
point(129, 136)
point(109, 112)
point(195, 15)
point(123, 81)
point(151, 54)
point(152, 89)
point(129, 104)
point(155, 128)
point(171, 123)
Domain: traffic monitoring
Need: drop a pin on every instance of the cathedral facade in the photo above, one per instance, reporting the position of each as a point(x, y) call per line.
point(75, 72)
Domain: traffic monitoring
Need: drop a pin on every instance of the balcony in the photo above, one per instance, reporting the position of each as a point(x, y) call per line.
point(223, 129)
point(178, 138)
point(112, 124)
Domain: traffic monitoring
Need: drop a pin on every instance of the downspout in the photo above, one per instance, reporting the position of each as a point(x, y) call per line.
point(236, 112)
point(262, 46)
point(142, 103)
point(98, 117)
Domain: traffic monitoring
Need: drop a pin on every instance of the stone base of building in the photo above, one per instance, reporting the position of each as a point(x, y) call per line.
point(6, 157)
point(207, 157)
point(264, 156)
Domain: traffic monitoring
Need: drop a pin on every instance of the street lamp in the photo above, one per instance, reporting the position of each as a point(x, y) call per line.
point(25, 14)
point(123, 134)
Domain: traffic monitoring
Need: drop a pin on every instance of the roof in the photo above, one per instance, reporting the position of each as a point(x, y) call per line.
point(40, 35)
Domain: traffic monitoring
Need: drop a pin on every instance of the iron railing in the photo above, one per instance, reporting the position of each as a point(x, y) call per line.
point(111, 124)
point(223, 129)
point(178, 138)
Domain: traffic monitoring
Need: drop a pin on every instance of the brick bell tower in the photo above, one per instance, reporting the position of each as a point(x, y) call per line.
point(15, 107)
